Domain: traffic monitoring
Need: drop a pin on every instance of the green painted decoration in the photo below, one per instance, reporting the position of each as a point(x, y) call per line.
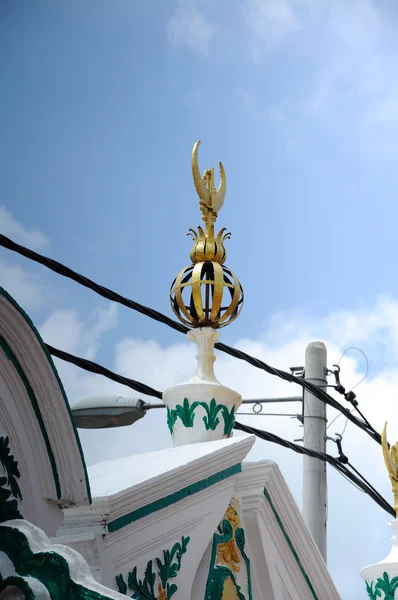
point(9, 507)
point(49, 568)
point(171, 419)
point(219, 577)
point(145, 589)
point(18, 582)
point(224, 559)
point(240, 542)
point(229, 420)
point(210, 419)
point(182, 493)
point(383, 586)
point(186, 412)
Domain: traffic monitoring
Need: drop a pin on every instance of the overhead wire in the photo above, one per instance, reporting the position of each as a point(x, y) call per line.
point(158, 316)
point(93, 367)
point(358, 481)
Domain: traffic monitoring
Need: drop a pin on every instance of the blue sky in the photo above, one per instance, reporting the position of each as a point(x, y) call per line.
point(100, 105)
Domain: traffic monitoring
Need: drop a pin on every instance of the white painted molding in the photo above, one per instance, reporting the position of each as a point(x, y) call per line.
point(142, 479)
point(49, 425)
point(257, 510)
point(182, 491)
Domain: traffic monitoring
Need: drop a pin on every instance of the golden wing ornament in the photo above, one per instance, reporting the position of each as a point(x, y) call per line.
point(390, 459)
point(211, 197)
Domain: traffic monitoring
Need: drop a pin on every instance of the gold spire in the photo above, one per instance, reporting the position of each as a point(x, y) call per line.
point(216, 294)
point(205, 245)
point(391, 460)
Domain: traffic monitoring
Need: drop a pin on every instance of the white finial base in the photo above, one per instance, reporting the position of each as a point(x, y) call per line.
point(379, 576)
point(202, 409)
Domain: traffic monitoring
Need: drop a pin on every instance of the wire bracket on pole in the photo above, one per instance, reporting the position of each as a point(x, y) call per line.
point(338, 441)
point(349, 396)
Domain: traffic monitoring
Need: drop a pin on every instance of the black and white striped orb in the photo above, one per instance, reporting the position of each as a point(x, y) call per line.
point(206, 294)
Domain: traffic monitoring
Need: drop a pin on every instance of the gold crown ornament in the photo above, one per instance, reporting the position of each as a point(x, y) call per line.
point(207, 293)
point(390, 454)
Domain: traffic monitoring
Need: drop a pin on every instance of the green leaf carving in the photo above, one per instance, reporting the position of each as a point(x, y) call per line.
point(9, 507)
point(229, 420)
point(166, 569)
point(10, 466)
point(382, 585)
point(186, 412)
point(210, 419)
point(142, 589)
point(171, 419)
point(121, 584)
point(170, 590)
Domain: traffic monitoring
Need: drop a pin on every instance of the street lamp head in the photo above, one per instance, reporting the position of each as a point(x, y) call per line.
point(107, 411)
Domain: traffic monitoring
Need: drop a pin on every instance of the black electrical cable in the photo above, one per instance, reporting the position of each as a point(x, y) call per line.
point(364, 485)
point(92, 367)
point(363, 478)
point(156, 315)
point(96, 368)
point(360, 481)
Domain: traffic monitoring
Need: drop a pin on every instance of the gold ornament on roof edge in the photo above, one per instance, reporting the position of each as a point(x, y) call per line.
point(207, 293)
point(391, 460)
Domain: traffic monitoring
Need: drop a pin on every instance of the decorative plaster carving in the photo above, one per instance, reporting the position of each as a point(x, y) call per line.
point(41, 570)
point(156, 586)
point(8, 484)
point(228, 548)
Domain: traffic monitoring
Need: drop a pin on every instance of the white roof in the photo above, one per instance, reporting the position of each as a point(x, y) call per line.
point(114, 476)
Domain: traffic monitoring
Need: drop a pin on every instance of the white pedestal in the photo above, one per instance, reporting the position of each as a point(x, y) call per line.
point(201, 409)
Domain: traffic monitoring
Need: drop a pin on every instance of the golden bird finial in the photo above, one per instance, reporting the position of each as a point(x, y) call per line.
point(391, 460)
point(206, 245)
point(207, 293)
point(210, 199)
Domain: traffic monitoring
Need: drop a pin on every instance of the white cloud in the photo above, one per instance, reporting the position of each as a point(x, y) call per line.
point(13, 229)
point(66, 330)
point(25, 286)
point(188, 26)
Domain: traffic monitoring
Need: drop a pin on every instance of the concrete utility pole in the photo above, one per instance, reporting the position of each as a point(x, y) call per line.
point(314, 470)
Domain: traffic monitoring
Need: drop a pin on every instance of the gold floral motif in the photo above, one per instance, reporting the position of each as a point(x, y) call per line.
point(162, 593)
point(227, 552)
